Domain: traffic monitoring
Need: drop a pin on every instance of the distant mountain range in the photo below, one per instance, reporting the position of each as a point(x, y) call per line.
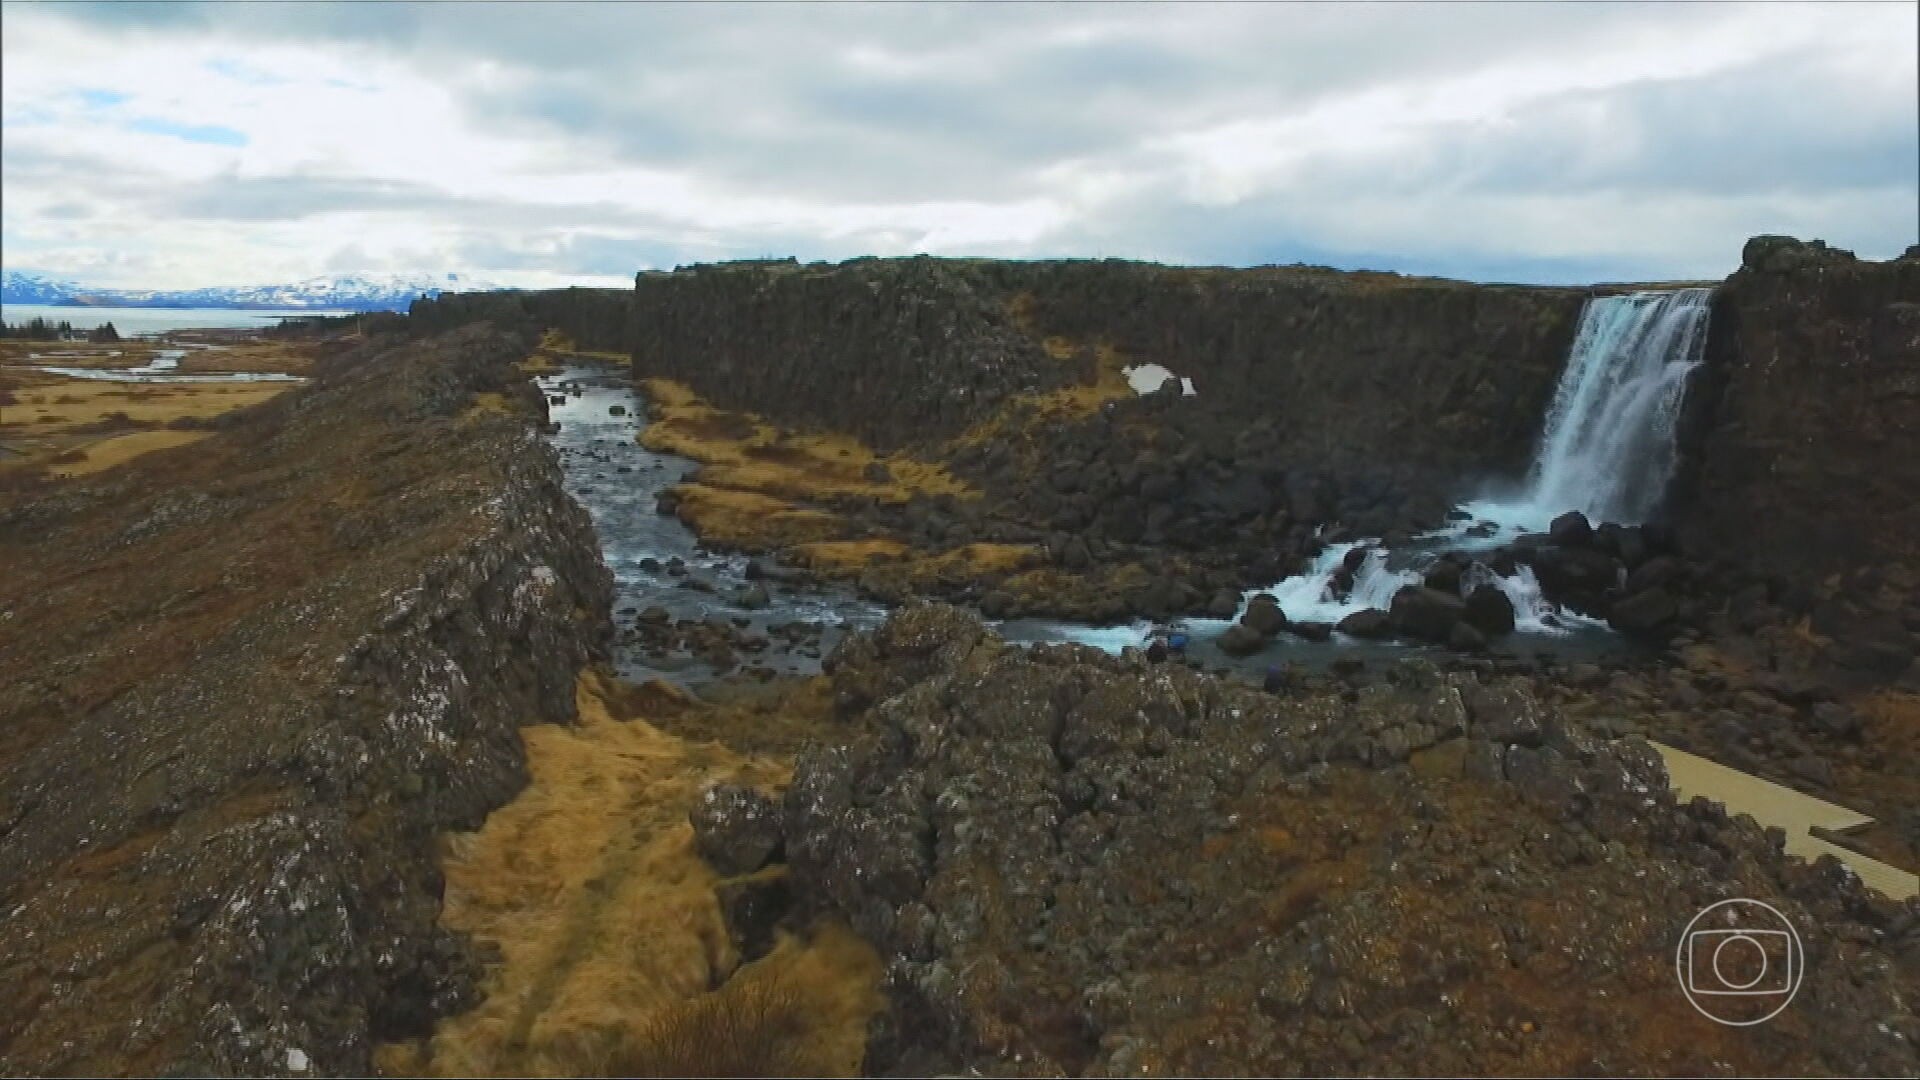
point(351, 292)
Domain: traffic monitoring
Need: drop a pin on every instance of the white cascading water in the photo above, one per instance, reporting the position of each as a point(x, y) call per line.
point(1608, 447)
point(1309, 596)
point(1608, 450)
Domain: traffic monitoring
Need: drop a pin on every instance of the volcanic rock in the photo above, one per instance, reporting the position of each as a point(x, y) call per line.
point(1489, 611)
point(1426, 614)
point(737, 829)
point(1264, 615)
point(1367, 624)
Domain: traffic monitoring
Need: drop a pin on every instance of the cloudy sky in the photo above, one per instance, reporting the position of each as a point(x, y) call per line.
point(184, 145)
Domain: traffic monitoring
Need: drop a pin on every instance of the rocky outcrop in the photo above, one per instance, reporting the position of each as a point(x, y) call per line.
point(595, 319)
point(1348, 368)
point(895, 351)
point(300, 650)
point(1802, 437)
point(1090, 865)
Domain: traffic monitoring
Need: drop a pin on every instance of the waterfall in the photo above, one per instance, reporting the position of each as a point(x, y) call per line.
point(1607, 451)
point(1608, 448)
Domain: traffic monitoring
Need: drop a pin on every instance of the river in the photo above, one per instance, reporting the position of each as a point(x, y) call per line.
point(658, 563)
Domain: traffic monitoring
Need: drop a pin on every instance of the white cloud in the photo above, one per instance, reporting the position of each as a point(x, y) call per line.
point(540, 144)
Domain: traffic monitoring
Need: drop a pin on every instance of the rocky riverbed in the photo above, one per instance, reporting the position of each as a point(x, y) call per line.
point(681, 610)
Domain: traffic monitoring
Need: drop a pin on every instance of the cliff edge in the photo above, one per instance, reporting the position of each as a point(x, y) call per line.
point(298, 651)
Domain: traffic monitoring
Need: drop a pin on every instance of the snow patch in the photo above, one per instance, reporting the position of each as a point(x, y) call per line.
point(1146, 378)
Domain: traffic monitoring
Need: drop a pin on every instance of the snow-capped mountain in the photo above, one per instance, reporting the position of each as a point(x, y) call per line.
point(18, 288)
point(350, 292)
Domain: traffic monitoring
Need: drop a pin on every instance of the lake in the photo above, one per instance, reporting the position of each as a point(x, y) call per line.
point(132, 321)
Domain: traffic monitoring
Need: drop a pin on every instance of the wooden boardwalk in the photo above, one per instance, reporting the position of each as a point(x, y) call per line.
point(1772, 804)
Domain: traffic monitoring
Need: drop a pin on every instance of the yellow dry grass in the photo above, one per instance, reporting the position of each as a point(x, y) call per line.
point(987, 558)
point(744, 452)
point(50, 403)
point(556, 350)
point(286, 357)
point(607, 929)
point(849, 556)
point(107, 453)
point(1026, 411)
point(800, 1011)
point(488, 403)
point(903, 565)
point(58, 418)
point(747, 521)
point(758, 486)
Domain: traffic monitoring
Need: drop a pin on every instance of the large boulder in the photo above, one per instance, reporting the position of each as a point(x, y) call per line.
point(1024, 879)
point(1311, 631)
point(1443, 576)
point(1426, 614)
point(1630, 544)
point(1489, 611)
point(1368, 624)
point(1644, 613)
point(1576, 576)
point(1241, 640)
point(1652, 574)
point(736, 829)
point(1264, 615)
point(1223, 604)
point(1464, 638)
point(1571, 529)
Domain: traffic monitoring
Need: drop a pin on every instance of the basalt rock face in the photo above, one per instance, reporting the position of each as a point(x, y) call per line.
point(1802, 437)
point(1350, 368)
point(896, 351)
point(1090, 865)
point(594, 319)
point(302, 648)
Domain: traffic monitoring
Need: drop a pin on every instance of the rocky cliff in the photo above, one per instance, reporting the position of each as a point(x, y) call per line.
point(299, 650)
point(1347, 367)
point(1802, 438)
point(595, 319)
point(895, 351)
